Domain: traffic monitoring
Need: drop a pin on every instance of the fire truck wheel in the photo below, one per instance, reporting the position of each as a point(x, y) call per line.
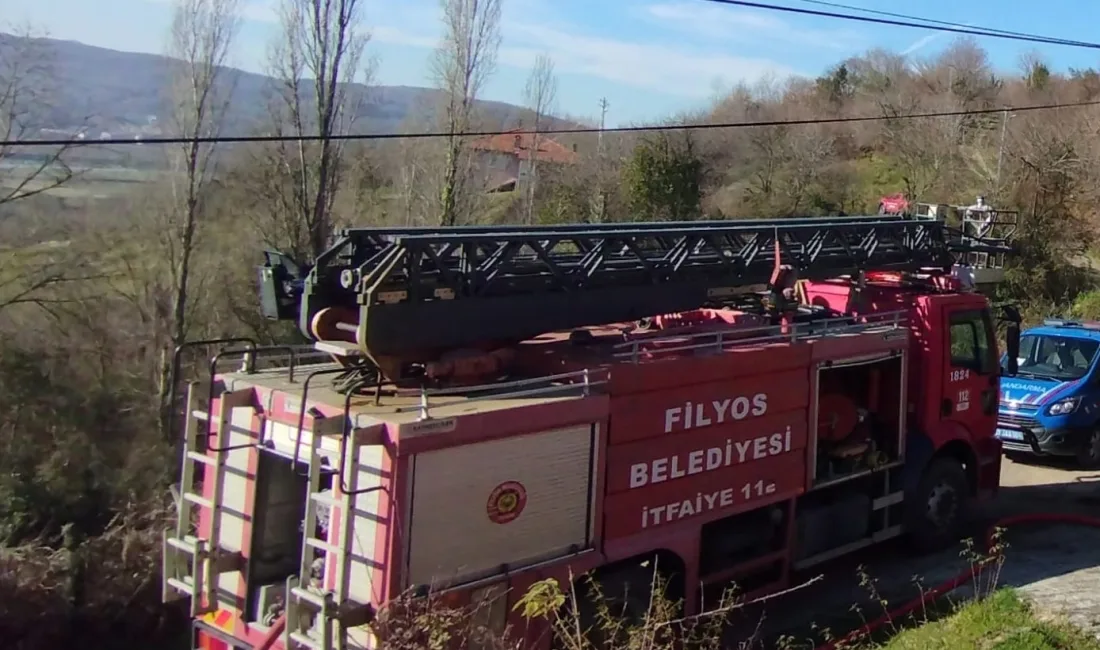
point(1088, 456)
point(939, 507)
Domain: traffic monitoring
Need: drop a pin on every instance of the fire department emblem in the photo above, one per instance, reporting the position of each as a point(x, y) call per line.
point(506, 502)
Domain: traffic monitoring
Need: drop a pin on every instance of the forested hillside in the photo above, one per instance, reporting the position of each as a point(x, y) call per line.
point(1043, 163)
point(100, 90)
point(103, 272)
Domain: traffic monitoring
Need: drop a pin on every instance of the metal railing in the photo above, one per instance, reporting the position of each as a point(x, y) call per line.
point(727, 339)
point(579, 381)
point(583, 383)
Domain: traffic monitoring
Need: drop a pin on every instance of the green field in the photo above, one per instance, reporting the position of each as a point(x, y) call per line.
point(87, 182)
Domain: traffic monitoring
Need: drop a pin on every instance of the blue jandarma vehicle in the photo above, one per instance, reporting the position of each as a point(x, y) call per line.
point(1050, 406)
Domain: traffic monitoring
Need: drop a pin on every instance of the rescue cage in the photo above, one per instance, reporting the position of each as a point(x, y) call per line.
point(320, 613)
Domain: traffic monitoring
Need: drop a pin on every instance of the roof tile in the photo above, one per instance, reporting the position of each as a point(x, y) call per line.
point(521, 142)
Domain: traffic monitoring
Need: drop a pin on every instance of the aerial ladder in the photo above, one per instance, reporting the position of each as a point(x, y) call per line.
point(393, 298)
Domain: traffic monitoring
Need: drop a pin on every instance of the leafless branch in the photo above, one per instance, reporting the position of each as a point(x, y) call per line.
point(541, 93)
point(463, 62)
point(27, 78)
point(316, 63)
point(200, 87)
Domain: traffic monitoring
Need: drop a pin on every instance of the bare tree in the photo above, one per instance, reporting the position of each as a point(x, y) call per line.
point(540, 92)
point(201, 38)
point(26, 95)
point(463, 62)
point(35, 257)
point(316, 63)
point(414, 178)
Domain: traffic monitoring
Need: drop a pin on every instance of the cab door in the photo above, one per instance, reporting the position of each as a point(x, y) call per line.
point(971, 374)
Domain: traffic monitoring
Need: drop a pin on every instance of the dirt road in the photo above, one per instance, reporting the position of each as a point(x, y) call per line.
point(1056, 567)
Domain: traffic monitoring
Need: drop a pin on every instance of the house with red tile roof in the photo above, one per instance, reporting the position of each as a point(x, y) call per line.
point(504, 160)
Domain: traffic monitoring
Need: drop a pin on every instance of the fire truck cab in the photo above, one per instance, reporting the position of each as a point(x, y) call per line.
point(483, 408)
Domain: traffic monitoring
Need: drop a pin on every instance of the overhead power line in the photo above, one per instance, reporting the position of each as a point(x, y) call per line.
point(1045, 39)
point(1050, 39)
point(569, 131)
point(942, 26)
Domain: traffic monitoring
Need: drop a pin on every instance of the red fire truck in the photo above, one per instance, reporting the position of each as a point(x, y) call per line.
point(485, 407)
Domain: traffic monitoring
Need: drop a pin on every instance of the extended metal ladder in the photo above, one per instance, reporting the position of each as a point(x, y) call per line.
point(385, 291)
point(330, 611)
point(192, 564)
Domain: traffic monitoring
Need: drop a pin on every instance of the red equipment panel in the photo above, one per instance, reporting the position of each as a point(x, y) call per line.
point(695, 406)
point(706, 450)
point(720, 492)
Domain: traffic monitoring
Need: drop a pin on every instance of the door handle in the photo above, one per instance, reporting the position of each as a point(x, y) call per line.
point(946, 407)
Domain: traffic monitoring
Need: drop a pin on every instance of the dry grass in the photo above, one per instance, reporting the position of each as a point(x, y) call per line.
point(105, 588)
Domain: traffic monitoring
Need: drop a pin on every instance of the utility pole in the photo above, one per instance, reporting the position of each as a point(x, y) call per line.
point(603, 120)
point(600, 204)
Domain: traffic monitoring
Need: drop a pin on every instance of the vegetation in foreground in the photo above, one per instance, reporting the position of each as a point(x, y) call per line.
point(592, 612)
point(1002, 620)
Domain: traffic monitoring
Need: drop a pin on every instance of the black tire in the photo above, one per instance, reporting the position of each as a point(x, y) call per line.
point(939, 508)
point(1088, 455)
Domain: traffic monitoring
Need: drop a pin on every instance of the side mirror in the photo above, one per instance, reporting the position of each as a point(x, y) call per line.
point(1012, 345)
point(1011, 316)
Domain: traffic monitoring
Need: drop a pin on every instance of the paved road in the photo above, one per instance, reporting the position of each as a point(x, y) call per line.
point(1057, 567)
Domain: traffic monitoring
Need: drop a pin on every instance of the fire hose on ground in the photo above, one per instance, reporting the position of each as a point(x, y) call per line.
point(964, 577)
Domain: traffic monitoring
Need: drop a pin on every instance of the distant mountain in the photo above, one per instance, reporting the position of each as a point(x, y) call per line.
point(122, 93)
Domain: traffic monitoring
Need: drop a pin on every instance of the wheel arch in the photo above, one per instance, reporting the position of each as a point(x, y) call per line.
point(962, 452)
point(948, 440)
point(635, 570)
point(667, 562)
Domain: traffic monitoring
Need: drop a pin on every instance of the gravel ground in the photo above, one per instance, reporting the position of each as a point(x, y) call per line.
point(1056, 567)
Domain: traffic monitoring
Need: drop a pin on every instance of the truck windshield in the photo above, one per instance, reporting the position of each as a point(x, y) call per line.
point(1055, 357)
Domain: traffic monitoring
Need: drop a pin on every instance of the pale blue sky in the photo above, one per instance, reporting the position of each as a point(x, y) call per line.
point(648, 57)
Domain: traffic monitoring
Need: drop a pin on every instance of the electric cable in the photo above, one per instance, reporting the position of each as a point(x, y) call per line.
point(911, 23)
point(905, 21)
point(1046, 39)
point(1050, 39)
point(243, 139)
